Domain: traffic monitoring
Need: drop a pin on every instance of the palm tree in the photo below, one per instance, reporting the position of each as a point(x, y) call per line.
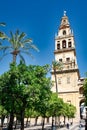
point(56, 66)
point(18, 45)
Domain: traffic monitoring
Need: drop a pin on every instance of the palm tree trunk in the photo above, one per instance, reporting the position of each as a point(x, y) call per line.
point(56, 82)
point(15, 53)
point(14, 58)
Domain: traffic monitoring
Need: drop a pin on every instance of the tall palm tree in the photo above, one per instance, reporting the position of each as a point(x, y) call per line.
point(56, 66)
point(18, 45)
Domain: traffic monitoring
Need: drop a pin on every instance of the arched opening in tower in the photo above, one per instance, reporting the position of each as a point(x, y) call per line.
point(82, 105)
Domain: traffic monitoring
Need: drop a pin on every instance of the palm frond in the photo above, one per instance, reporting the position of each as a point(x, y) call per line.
point(4, 47)
point(31, 46)
point(18, 43)
point(28, 53)
point(5, 54)
point(34, 47)
point(2, 35)
point(28, 40)
point(57, 65)
point(2, 24)
point(12, 39)
point(22, 58)
point(16, 35)
point(21, 36)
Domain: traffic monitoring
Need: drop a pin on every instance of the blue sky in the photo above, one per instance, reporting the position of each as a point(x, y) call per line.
point(40, 20)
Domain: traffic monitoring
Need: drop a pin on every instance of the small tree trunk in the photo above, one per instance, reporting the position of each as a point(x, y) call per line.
point(47, 119)
point(2, 120)
point(59, 121)
point(52, 122)
point(43, 123)
point(16, 123)
point(64, 120)
point(10, 126)
point(36, 120)
point(22, 120)
point(27, 122)
point(55, 120)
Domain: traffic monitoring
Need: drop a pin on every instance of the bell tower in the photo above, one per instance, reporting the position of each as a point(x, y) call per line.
point(65, 45)
point(65, 52)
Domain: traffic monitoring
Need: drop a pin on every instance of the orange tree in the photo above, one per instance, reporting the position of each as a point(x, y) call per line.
point(24, 87)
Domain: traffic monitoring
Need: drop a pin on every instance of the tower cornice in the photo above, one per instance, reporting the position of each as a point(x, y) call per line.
point(67, 71)
point(62, 37)
point(65, 50)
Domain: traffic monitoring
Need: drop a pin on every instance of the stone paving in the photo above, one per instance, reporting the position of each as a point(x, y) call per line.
point(48, 127)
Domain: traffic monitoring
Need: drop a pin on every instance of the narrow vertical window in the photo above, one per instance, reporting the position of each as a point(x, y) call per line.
point(58, 46)
point(64, 32)
point(68, 80)
point(59, 80)
point(64, 44)
point(69, 44)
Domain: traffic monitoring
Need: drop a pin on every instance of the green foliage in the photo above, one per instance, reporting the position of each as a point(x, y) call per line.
point(85, 89)
point(3, 112)
point(25, 87)
point(57, 65)
point(68, 110)
point(2, 34)
point(19, 44)
point(31, 113)
point(56, 104)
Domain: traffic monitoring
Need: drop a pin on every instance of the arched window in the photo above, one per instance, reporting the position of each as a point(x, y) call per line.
point(64, 32)
point(81, 90)
point(58, 46)
point(69, 44)
point(64, 44)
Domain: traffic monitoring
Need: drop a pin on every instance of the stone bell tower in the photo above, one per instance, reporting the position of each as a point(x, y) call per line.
point(67, 78)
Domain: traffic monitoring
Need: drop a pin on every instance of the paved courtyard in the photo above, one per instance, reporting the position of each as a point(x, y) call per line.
point(75, 126)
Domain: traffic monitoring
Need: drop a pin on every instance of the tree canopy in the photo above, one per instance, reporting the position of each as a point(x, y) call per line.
point(18, 44)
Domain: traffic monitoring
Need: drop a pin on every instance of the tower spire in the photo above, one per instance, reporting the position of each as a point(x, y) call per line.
point(64, 13)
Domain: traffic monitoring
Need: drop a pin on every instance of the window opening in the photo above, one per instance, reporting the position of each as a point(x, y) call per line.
point(60, 60)
point(59, 80)
point(68, 80)
point(69, 44)
point(64, 43)
point(58, 46)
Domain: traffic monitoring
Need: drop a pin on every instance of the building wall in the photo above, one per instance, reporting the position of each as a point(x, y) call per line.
point(68, 77)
